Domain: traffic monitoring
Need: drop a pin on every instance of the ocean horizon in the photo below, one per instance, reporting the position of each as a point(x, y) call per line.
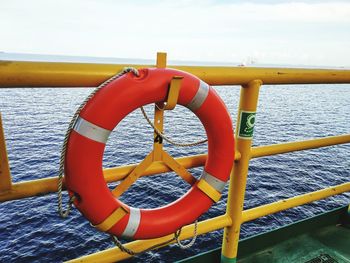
point(10, 56)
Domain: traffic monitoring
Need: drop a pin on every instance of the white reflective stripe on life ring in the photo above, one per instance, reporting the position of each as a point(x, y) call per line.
point(91, 131)
point(133, 223)
point(217, 184)
point(200, 96)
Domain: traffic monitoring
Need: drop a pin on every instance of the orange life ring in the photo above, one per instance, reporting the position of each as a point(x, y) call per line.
point(86, 143)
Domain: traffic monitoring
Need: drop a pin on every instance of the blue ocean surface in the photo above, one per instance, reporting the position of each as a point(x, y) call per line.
point(35, 121)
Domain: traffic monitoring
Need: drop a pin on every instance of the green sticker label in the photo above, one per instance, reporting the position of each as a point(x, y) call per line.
point(246, 126)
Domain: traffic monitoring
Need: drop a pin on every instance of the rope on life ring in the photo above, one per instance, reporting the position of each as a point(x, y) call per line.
point(101, 113)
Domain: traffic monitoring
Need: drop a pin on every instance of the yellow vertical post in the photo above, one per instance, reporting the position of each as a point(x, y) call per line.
point(161, 60)
point(158, 116)
point(238, 179)
point(5, 174)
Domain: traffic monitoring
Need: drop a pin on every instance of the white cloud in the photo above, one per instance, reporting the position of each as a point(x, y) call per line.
point(268, 31)
point(328, 12)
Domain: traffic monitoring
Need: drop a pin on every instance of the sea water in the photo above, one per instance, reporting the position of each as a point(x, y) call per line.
point(35, 121)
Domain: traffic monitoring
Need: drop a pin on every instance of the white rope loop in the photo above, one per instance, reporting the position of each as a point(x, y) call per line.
point(191, 243)
point(176, 238)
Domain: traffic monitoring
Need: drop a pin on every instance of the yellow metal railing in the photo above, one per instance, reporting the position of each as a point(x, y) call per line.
point(56, 74)
point(46, 74)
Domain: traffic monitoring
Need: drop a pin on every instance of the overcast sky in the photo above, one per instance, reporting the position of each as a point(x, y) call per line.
point(268, 32)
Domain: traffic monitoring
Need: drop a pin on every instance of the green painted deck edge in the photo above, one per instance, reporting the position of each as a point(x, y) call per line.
point(228, 260)
point(259, 242)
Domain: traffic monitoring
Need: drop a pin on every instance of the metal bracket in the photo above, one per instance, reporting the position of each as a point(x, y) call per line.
point(173, 93)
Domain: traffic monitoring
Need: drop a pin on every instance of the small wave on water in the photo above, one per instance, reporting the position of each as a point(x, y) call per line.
point(35, 121)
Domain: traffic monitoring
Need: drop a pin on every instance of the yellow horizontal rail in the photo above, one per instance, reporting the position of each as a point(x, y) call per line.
point(114, 254)
point(298, 146)
point(59, 74)
point(285, 204)
point(49, 185)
